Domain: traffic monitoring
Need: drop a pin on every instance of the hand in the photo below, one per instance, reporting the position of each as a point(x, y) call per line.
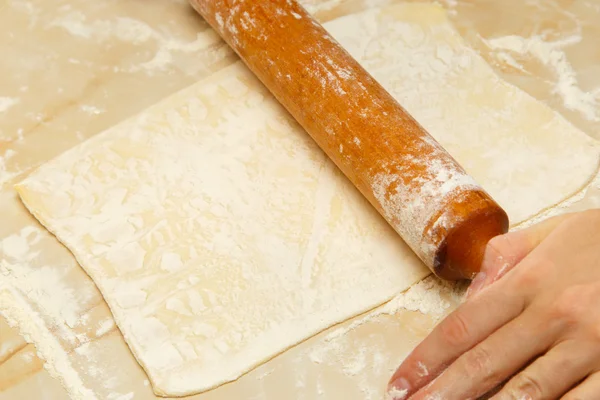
point(535, 333)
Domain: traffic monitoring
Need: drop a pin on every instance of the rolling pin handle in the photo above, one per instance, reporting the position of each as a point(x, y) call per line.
point(374, 141)
point(461, 255)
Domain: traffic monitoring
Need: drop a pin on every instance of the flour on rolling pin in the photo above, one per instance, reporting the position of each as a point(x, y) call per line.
point(427, 197)
point(418, 201)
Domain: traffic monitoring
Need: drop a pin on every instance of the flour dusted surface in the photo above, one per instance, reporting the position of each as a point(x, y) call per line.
point(524, 154)
point(22, 281)
point(220, 235)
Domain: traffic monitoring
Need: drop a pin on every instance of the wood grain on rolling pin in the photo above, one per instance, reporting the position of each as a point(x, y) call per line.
point(427, 197)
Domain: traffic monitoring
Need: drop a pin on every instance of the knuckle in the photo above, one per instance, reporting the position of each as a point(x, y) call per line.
point(478, 362)
point(531, 274)
point(568, 307)
point(527, 278)
point(563, 364)
point(529, 385)
point(456, 330)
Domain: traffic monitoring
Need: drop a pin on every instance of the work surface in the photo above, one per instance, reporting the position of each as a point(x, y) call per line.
point(74, 69)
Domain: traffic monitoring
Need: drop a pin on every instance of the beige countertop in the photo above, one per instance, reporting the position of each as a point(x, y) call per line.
point(71, 69)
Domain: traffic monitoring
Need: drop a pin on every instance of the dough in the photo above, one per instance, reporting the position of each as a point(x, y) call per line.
point(220, 235)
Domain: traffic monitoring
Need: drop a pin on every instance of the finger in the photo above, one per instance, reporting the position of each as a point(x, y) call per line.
point(494, 360)
point(553, 374)
point(588, 389)
point(471, 323)
point(504, 252)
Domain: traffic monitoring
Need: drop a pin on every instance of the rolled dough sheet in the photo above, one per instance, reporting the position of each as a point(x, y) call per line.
point(220, 235)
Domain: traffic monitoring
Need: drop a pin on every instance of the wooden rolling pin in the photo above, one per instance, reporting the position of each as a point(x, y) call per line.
point(426, 196)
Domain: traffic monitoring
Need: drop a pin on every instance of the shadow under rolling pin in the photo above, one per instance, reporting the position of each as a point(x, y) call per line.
point(444, 216)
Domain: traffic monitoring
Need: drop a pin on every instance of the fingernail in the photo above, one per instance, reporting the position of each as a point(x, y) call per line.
point(477, 284)
point(398, 390)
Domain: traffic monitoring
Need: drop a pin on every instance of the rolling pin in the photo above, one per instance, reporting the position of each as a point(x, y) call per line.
point(444, 216)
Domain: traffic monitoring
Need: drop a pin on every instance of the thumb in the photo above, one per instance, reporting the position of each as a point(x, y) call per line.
point(504, 252)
